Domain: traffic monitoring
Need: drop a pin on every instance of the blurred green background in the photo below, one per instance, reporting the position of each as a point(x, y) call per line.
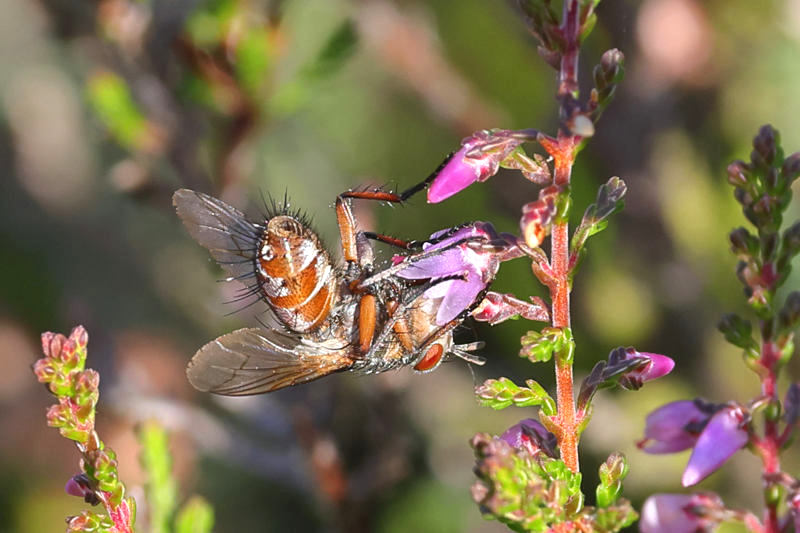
point(108, 106)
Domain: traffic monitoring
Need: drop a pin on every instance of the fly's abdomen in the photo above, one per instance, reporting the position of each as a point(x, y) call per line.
point(296, 274)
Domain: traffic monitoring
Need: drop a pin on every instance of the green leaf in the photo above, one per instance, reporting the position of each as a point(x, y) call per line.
point(196, 516)
point(612, 472)
point(332, 57)
point(253, 59)
point(609, 201)
point(112, 102)
point(501, 393)
point(160, 486)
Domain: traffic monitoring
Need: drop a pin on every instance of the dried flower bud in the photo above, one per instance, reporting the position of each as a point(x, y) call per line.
point(537, 217)
point(581, 125)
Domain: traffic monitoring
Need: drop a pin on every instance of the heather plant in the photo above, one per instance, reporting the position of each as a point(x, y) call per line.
point(529, 477)
point(766, 424)
point(76, 388)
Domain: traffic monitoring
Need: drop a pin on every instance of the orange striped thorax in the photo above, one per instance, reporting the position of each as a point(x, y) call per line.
point(295, 273)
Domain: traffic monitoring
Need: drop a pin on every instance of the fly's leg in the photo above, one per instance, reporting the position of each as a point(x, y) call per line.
point(347, 223)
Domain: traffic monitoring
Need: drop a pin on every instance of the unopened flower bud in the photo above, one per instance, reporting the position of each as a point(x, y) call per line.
point(55, 343)
point(791, 167)
point(43, 368)
point(86, 385)
point(530, 435)
point(611, 62)
point(765, 145)
point(737, 173)
point(80, 336)
point(791, 240)
point(742, 242)
point(772, 179)
point(615, 467)
point(79, 485)
point(789, 316)
point(69, 355)
point(736, 330)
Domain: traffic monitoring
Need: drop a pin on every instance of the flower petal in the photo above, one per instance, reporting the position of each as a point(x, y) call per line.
point(456, 176)
point(666, 427)
point(530, 435)
point(721, 438)
point(460, 295)
point(672, 513)
point(659, 365)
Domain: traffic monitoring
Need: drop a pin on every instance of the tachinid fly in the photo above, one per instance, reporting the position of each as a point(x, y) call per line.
point(346, 317)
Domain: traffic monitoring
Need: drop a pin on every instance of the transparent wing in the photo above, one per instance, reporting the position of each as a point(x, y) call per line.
point(254, 361)
point(223, 229)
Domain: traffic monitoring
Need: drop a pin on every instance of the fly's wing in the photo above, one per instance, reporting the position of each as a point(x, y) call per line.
point(223, 229)
point(254, 361)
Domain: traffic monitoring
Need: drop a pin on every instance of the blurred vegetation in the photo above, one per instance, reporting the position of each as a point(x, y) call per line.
point(107, 106)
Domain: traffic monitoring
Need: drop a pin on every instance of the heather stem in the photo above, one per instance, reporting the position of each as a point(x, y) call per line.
point(564, 156)
point(769, 446)
point(559, 295)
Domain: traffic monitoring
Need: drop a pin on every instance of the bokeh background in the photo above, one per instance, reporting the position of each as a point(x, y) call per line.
point(108, 106)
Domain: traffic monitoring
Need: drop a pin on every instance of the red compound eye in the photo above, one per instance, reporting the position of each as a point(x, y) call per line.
point(431, 358)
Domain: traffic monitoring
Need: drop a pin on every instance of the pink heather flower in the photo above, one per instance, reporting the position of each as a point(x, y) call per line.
point(680, 513)
point(532, 436)
point(724, 435)
point(467, 270)
point(478, 159)
point(674, 427)
point(656, 366)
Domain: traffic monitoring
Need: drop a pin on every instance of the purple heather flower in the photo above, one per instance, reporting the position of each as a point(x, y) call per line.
point(478, 159)
point(674, 427)
point(724, 435)
point(680, 513)
point(532, 436)
point(467, 270)
point(715, 432)
point(79, 485)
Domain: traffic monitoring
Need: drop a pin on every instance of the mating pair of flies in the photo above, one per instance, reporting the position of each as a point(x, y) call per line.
point(354, 316)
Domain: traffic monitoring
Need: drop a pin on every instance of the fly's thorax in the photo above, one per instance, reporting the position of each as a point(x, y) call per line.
point(296, 274)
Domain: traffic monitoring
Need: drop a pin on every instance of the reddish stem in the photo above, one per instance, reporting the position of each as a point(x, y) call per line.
point(769, 447)
point(559, 294)
point(563, 152)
